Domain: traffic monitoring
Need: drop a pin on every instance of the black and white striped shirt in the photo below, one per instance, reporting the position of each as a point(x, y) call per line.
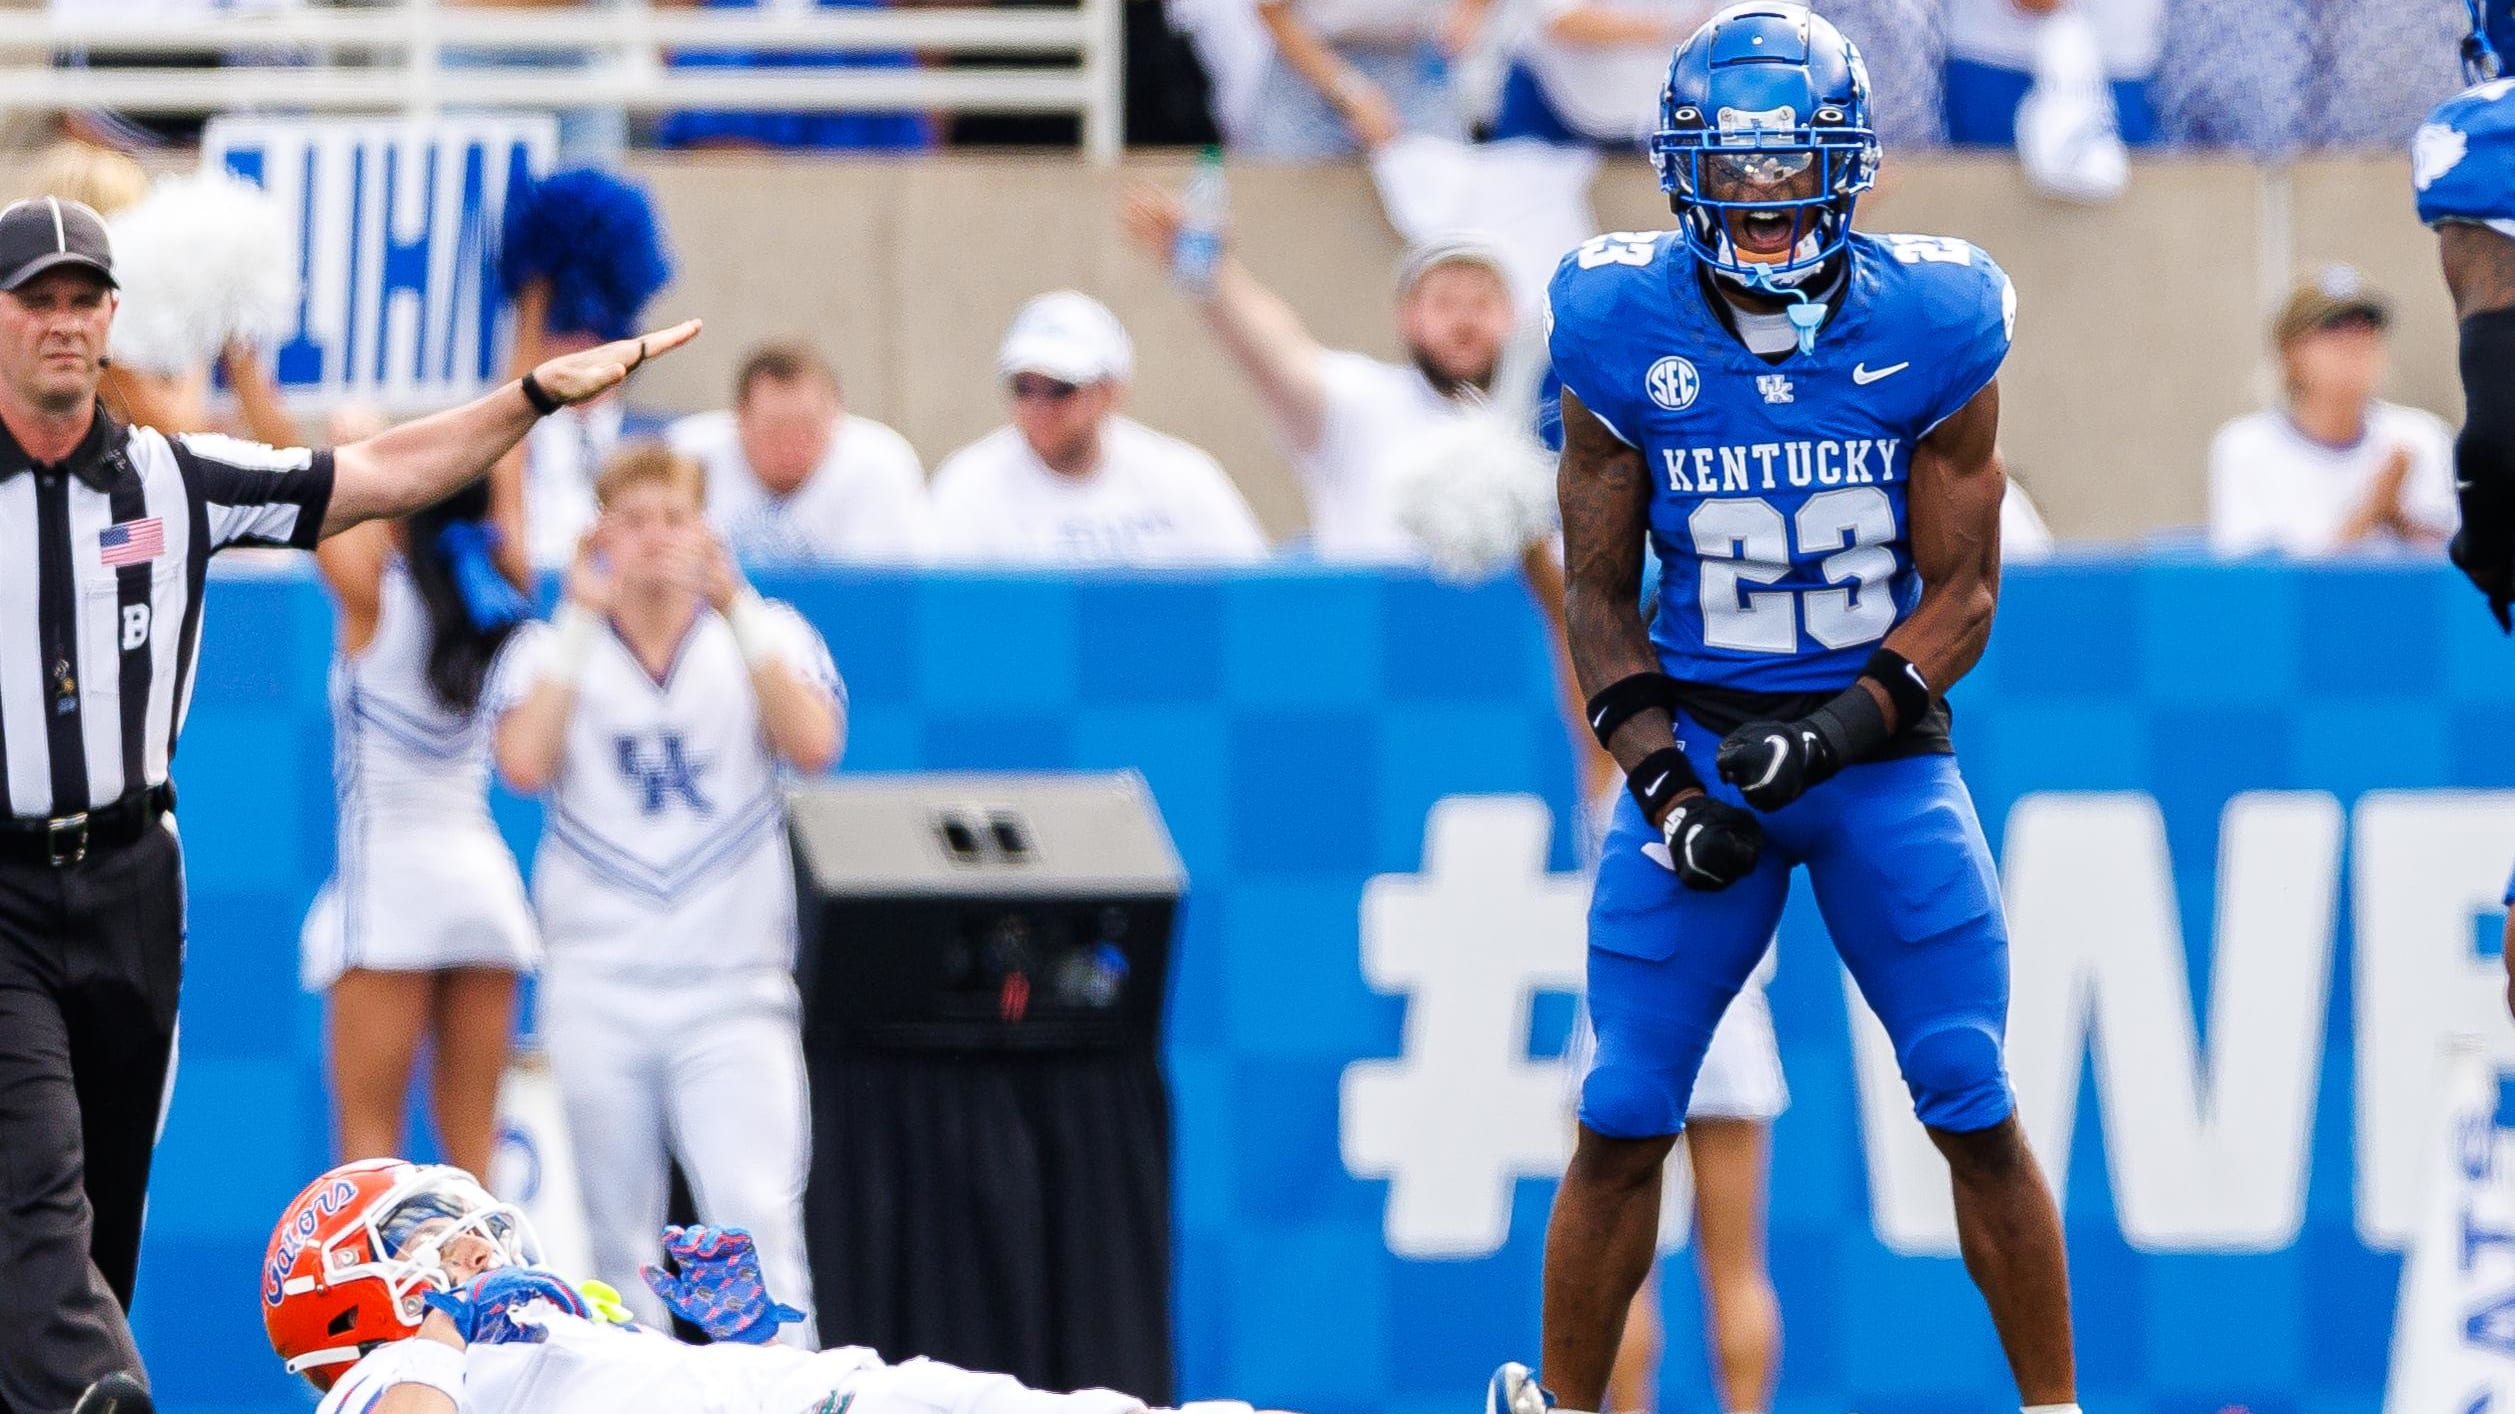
point(102, 559)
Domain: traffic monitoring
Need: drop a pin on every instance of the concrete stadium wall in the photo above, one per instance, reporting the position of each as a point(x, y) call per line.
point(2141, 324)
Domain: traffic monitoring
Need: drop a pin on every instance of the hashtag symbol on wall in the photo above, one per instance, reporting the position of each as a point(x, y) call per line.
point(1463, 1113)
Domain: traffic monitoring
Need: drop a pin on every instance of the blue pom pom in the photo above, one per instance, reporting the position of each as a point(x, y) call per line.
point(594, 238)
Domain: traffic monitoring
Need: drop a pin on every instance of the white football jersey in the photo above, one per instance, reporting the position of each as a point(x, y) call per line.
point(591, 1369)
point(663, 846)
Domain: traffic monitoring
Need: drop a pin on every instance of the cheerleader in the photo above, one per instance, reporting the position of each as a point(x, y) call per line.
point(420, 934)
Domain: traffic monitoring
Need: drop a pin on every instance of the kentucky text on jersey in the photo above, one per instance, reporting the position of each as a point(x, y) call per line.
point(1770, 466)
point(1778, 510)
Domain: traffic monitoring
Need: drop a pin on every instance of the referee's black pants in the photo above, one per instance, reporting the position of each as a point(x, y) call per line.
point(91, 961)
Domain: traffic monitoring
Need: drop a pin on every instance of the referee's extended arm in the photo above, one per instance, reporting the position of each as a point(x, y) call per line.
point(421, 463)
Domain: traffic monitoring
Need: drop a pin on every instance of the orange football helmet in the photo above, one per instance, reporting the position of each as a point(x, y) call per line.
point(356, 1253)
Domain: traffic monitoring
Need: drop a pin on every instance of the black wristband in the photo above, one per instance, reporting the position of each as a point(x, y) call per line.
point(1620, 701)
point(1905, 687)
point(2484, 452)
point(1661, 777)
point(543, 403)
point(1849, 727)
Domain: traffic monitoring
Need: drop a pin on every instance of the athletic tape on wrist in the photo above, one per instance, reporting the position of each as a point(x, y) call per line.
point(1660, 778)
point(432, 1363)
point(574, 630)
point(1620, 701)
point(754, 631)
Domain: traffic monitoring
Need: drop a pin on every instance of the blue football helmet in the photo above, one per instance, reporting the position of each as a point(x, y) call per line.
point(1763, 92)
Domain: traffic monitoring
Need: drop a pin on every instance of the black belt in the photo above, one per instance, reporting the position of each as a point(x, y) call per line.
point(64, 839)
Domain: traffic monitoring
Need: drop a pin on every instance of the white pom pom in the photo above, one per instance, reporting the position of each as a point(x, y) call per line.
point(203, 260)
point(1476, 493)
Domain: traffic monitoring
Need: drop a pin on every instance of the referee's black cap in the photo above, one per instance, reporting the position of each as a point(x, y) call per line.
point(45, 233)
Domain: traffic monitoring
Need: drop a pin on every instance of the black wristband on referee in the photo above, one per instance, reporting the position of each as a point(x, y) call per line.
point(1660, 778)
point(543, 403)
point(1905, 687)
point(1620, 701)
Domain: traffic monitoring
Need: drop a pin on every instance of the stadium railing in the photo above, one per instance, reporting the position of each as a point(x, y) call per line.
point(394, 59)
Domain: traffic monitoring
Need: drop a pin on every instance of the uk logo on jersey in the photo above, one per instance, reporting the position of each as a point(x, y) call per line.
point(662, 772)
point(1673, 383)
point(1776, 388)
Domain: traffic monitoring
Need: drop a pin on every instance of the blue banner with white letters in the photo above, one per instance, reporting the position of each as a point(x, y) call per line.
point(397, 221)
point(2254, 823)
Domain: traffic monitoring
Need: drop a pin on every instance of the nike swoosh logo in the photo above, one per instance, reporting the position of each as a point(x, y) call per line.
point(1863, 375)
point(1781, 749)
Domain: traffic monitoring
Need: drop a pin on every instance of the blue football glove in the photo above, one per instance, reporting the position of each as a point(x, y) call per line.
point(715, 1285)
point(483, 1311)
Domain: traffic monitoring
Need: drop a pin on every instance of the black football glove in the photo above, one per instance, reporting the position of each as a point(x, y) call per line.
point(1711, 843)
point(2493, 570)
point(1774, 763)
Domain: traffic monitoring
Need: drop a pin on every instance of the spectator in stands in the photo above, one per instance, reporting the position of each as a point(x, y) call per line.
point(2275, 76)
point(1904, 43)
point(1350, 76)
point(793, 476)
point(1349, 420)
point(2333, 469)
point(1992, 62)
point(709, 128)
point(1589, 72)
point(1233, 45)
point(1070, 482)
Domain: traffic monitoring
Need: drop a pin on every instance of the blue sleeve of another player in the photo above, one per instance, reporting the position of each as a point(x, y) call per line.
point(1579, 324)
point(1975, 314)
point(2462, 161)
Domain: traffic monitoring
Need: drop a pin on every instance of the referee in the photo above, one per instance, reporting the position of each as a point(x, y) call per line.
point(106, 532)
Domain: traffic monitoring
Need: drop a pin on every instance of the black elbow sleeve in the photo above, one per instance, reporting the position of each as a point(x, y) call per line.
point(2484, 455)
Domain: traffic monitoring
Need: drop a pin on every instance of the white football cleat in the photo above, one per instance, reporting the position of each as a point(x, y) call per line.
point(1515, 1390)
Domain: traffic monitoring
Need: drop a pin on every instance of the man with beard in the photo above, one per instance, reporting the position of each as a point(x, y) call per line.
point(1346, 419)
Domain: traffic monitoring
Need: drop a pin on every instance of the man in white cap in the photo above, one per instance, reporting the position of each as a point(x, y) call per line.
point(1069, 481)
point(1346, 419)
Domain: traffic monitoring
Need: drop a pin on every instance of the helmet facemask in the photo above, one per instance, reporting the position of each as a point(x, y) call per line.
point(1754, 168)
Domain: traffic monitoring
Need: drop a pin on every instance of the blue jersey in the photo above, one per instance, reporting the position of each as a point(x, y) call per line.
point(2463, 160)
point(1779, 511)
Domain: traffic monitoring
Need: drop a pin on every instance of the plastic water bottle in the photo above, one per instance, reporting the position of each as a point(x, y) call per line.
point(1198, 250)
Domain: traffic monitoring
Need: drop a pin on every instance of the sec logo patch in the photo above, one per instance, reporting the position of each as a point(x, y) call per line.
point(1673, 383)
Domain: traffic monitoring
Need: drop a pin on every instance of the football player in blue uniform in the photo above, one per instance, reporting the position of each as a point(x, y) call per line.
point(1801, 423)
point(2463, 164)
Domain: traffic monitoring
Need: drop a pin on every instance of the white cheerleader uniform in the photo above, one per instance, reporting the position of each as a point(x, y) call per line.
point(422, 881)
point(667, 902)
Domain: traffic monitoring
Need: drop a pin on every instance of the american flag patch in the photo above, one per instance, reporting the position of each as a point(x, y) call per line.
point(134, 542)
